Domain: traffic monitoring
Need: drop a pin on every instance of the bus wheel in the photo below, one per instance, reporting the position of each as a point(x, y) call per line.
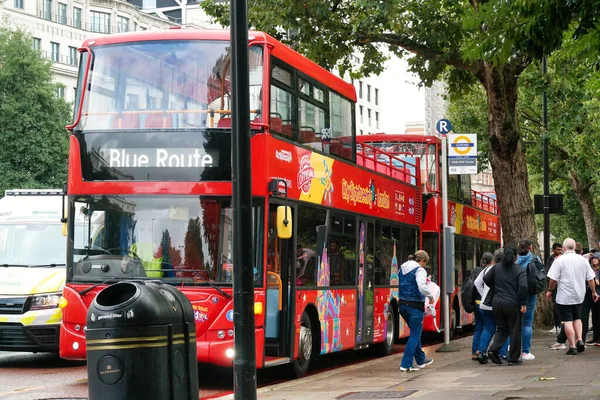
point(386, 348)
point(305, 347)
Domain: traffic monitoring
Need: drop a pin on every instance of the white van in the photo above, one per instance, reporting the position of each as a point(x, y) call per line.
point(32, 269)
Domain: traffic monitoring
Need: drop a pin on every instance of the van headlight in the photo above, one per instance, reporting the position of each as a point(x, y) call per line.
point(44, 301)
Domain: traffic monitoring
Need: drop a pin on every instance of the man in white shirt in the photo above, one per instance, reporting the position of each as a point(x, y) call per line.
point(571, 271)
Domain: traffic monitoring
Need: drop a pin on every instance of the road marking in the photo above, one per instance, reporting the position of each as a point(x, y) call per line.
point(20, 390)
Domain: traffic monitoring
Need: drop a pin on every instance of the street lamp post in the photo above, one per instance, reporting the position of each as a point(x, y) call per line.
point(546, 183)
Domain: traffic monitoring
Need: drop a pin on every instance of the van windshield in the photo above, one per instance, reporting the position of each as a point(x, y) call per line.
point(32, 244)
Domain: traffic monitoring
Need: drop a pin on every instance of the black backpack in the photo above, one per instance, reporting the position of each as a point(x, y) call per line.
point(466, 292)
point(536, 277)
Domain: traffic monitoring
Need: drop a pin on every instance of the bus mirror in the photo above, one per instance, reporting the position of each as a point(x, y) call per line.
point(284, 223)
point(64, 229)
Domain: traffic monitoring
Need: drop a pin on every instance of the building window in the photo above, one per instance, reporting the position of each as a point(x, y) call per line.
point(376, 96)
point(122, 24)
point(60, 92)
point(376, 120)
point(361, 114)
point(62, 13)
point(99, 22)
point(55, 54)
point(77, 17)
point(19, 4)
point(361, 131)
point(368, 93)
point(360, 89)
point(369, 116)
point(47, 9)
point(135, 26)
point(142, 28)
point(73, 59)
point(36, 44)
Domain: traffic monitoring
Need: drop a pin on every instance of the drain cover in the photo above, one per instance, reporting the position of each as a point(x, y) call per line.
point(398, 394)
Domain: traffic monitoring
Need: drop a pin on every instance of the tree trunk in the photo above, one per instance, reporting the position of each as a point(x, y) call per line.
point(507, 159)
point(590, 215)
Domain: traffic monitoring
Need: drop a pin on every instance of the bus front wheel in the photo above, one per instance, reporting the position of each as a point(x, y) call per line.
point(305, 347)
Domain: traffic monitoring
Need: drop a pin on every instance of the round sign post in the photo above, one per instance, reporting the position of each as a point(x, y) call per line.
point(444, 127)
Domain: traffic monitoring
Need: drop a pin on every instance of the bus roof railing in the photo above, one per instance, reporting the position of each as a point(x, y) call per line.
point(377, 160)
point(484, 202)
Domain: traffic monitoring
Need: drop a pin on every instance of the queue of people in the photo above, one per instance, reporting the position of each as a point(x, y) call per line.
point(505, 303)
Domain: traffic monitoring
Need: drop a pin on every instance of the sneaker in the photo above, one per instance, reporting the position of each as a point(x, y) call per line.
point(409, 369)
point(558, 346)
point(482, 358)
point(516, 362)
point(528, 356)
point(425, 363)
point(474, 357)
point(572, 351)
point(597, 343)
point(494, 357)
point(591, 342)
point(580, 346)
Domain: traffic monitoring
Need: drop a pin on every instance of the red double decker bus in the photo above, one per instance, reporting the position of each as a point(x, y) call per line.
point(474, 215)
point(150, 196)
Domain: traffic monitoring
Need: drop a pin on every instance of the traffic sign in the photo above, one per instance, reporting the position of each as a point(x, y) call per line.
point(443, 126)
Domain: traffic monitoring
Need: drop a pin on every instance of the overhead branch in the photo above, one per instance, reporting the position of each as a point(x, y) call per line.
point(453, 59)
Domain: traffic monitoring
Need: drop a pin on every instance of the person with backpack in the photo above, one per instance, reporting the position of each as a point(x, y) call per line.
point(508, 283)
point(486, 260)
point(528, 261)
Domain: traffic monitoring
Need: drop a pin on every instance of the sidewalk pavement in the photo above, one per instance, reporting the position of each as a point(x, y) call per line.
point(552, 375)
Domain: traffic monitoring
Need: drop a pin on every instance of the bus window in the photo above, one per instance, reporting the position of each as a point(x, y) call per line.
point(432, 168)
point(306, 258)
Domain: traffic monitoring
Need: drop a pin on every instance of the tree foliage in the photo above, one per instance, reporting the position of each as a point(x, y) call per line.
point(572, 107)
point(487, 41)
point(33, 139)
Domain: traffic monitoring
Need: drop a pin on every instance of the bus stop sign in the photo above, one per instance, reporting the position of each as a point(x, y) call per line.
point(443, 126)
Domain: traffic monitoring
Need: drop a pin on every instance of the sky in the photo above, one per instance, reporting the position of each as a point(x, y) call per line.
point(401, 100)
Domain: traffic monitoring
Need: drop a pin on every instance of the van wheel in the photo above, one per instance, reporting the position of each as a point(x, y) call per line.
point(305, 348)
point(386, 348)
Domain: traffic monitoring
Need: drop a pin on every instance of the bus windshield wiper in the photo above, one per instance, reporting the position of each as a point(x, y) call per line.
point(47, 265)
point(199, 275)
point(13, 265)
point(112, 279)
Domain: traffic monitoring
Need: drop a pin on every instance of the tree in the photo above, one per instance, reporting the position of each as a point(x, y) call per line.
point(572, 107)
point(487, 41)
point(33, 139)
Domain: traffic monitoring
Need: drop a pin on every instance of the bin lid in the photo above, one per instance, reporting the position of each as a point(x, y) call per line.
point(139, 303)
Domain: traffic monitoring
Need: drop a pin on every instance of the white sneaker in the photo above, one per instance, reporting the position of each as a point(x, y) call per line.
point(558, 346)
point(409, 369)
point(528, 356)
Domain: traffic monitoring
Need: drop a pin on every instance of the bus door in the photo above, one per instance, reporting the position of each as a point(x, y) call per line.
point(365, 282)
point(280, 256)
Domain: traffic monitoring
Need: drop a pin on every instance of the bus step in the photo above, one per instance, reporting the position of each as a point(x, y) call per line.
point(272, 347)
point(273, 361)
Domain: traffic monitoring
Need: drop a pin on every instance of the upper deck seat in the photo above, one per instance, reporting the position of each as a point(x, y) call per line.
point(276, 124)
point(157, 120)
point(224, 122)
point(307, 136)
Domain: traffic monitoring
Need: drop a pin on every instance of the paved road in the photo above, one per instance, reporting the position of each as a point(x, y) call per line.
point(26, 376)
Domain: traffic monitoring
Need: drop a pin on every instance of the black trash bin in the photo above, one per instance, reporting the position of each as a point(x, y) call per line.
point(141, 343)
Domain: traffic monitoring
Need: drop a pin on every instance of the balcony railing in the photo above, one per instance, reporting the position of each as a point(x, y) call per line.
point(79, 24)
point(61, 59)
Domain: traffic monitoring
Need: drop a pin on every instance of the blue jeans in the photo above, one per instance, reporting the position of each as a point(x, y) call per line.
point(489, 328)
point(478, 329)
point(528, 323)
point(414, 319)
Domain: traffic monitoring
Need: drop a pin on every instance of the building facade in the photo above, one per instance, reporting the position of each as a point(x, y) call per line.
point(59, 27)
point(368, 106)
point(435, 106)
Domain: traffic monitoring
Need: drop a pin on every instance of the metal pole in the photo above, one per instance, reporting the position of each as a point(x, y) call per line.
point(546, 183)
point(244, 363)
point(444, 242)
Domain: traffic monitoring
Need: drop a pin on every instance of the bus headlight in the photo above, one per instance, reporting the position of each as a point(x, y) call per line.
point(44, 301)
